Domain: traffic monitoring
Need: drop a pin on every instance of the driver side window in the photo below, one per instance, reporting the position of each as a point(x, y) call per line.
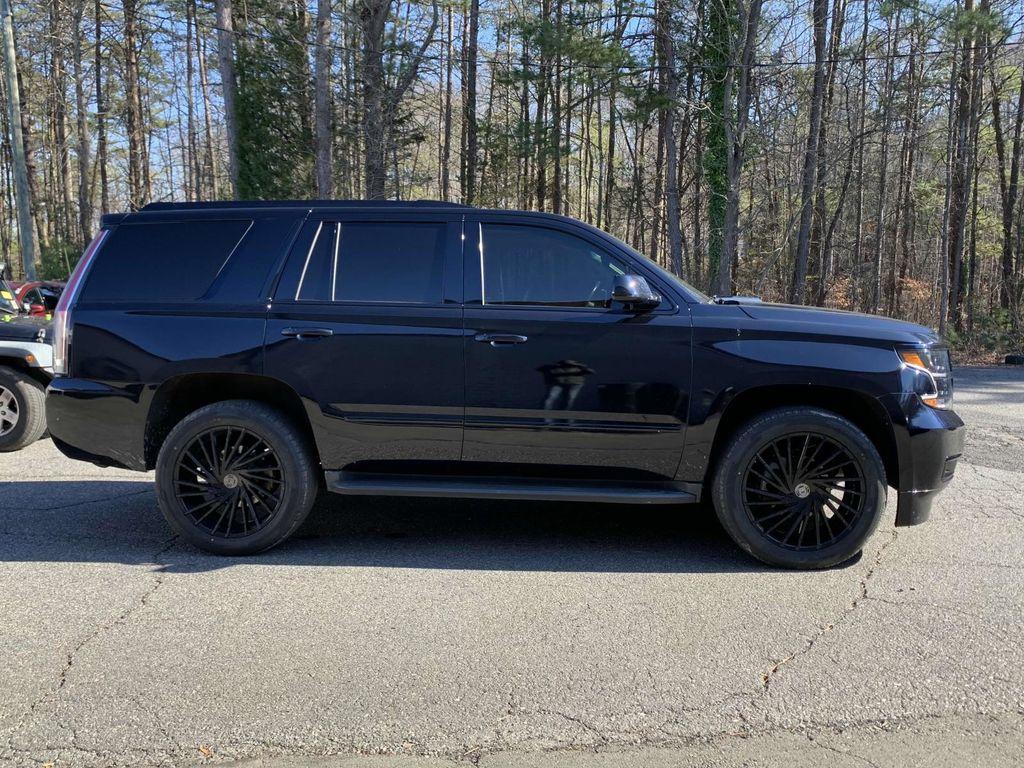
point(522, 265)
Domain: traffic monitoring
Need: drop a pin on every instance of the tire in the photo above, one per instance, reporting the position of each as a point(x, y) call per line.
point(227, 463)
point(834, 506)
point(22, 409)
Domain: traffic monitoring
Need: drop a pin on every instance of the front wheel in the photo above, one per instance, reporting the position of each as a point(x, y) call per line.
point(236, 477)
point(800, 488)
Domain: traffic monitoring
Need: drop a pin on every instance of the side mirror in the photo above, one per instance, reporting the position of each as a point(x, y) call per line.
point(635, 293)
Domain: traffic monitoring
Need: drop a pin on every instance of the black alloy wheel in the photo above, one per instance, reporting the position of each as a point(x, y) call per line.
point(229, 481)
point(799, 487)
point(804, 491)
point(236, 477)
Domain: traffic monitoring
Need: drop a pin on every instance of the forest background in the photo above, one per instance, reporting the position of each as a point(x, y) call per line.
point(857, 154)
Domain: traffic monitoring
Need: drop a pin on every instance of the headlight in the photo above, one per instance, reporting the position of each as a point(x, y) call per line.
point(934, 380)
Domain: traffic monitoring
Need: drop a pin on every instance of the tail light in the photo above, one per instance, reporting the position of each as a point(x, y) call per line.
point(62, 314)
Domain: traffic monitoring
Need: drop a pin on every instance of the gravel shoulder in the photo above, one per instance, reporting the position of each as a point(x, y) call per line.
point(429, 633)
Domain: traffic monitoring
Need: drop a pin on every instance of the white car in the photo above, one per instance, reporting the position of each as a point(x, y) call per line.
point(26, 367)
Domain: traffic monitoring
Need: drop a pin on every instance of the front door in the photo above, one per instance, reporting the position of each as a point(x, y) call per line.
point(557, 376)
point(366, 325)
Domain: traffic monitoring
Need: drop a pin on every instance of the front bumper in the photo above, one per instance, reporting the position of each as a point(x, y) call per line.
point(929, 442)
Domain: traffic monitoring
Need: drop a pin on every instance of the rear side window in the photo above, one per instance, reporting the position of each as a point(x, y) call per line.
point(386, 262)
point(165, 261)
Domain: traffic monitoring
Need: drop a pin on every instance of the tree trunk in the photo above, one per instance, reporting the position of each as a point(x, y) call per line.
point(735, 125)
point(26, 237)
point(324, 124)
point(1009, 180)
point(209, 167)
point(133, 109)
point(469, 105)
point(962, 173)
point(556, 116)
point(59, 112)
point(372, 19)
point(858, 227)
point(101, 115)
point(379, 101)
point(226, 65)
point(670, 85)
point(82, 128)
point(193, 168)
point(818, 245)
point(881, 203)
point(613, 83)
point(809, 176)
point(446, 133)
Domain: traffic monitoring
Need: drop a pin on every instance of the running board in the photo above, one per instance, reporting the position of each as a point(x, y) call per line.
point(530, 489)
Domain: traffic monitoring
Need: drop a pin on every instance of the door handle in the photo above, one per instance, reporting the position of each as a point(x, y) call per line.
point(306, 333)
point(500, 339)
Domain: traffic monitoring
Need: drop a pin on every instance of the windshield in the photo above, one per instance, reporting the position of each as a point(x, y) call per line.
point(7, 301)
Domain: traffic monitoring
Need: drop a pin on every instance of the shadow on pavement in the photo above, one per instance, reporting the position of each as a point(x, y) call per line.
point(119, 522)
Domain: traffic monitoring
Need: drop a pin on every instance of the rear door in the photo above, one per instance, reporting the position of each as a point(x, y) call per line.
point(366, 325)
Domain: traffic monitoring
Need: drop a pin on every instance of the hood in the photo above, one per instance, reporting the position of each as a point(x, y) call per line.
point(836, 322)
point(24, 328)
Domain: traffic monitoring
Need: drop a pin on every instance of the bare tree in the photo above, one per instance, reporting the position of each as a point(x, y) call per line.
point(379, 99)
point(323, 102)
point(101, 113)
point(469, 105)
point(29, 255)
point(803, 247)
point(735, 124)
point(82, 127)
point(137, 174)
point(226, 65)
point(670, 86)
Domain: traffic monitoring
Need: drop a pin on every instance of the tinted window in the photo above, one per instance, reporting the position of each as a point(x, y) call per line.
point(532, 265)
point(374, 262)
point(161, 261)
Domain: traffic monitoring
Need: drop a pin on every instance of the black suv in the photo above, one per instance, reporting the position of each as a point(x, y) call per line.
point(256, 353)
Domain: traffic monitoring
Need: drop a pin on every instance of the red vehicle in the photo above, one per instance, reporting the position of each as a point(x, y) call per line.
point(39, 298)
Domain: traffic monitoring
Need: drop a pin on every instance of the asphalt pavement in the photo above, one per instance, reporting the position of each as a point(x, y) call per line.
point(421, 633)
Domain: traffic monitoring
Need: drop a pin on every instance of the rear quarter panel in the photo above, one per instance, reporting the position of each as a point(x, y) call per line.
point(122, 351)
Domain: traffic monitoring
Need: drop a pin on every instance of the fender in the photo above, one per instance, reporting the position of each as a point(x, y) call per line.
point(737, 373)
point(34, 354)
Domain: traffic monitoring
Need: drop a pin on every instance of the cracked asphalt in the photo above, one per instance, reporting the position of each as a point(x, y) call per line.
point(424, 633)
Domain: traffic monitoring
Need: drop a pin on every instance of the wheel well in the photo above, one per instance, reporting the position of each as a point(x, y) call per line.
point(860, 409)
point(20, 365)
point(181, 395)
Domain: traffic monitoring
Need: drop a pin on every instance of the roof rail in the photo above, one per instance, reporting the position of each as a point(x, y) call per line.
point(214, 204)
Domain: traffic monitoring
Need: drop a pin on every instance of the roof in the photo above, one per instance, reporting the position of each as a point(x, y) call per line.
point(221, 204)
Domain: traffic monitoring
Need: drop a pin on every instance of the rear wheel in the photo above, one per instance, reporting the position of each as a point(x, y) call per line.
point(22, 410)
point(236, 477)
point(800, 488)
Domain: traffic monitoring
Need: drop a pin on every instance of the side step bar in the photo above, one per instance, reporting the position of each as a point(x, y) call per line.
point(538, 489)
